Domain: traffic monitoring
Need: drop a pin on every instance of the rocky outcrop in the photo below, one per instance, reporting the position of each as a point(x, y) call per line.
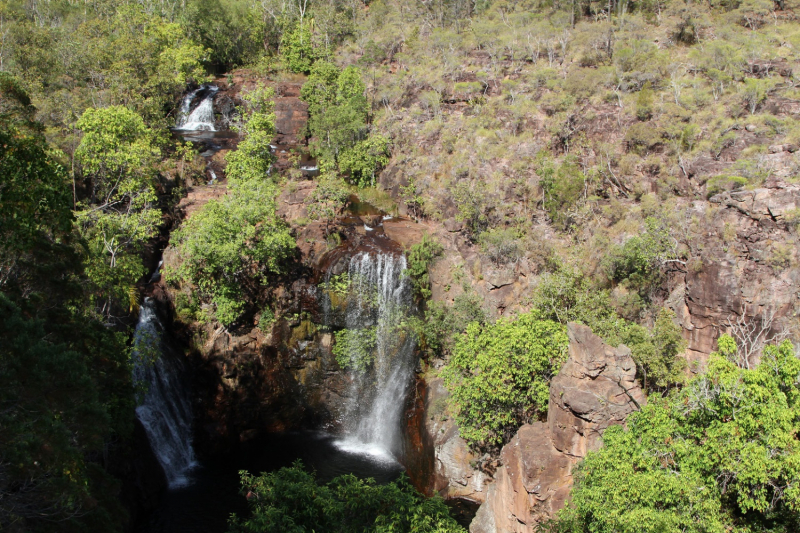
point(595, 389)
point(743, 267)
point(291, 116)
point(532, 484)
point(765, 203)
point(455, 472)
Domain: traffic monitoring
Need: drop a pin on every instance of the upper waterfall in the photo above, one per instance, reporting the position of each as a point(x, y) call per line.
point(165, 410)
point(201, 118)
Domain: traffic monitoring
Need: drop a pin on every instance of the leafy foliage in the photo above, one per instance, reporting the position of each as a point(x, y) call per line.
point(115, 54)
point(297, 49)
point(640, 259)
point(338, 123)
point(252, 160)
point(355, 348)
point(66, 396)
point(563, 186)
point(231, 240)
point(657, 357)
point(328, 199)
point(567, 296)
point(34, 194)
point(420, 257)
point(364, 159)
point(502, 245)
point(499, 376)
point(117, 154)
point(437, 331)
point(57, 405)
point(291, 500)
point(720, 455)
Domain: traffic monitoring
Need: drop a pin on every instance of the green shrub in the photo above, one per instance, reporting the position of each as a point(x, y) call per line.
point(292, 500)
point(472, 202)
point(328, 199)
point(420, 257)
point(338, 123)
point(563, 187)
point(644, 103)
point(355, 348)
point(502, 245)
point(755, 92)
point(499, 376)
point(642, 138)
point(639, 261)
point(718, 184)
point(266, 320)
point(437, 330)
point(298, 50)
point(361, 162)
point(567, 296)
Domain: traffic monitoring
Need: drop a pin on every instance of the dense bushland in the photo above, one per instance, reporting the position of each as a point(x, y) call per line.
point(568, 137)
point(292, 500)
point(66, 400)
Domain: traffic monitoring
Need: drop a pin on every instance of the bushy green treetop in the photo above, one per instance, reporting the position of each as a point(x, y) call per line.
point(499, 376)
point(118, 155)
point(291, 500)
point(338, 122)
point(720, 455)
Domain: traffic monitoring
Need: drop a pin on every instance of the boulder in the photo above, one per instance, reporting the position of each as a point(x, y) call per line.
point(532, 484)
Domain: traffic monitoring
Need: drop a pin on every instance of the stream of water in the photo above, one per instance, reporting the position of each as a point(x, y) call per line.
point(165, 410)
point(201, 118)
point(381, 354)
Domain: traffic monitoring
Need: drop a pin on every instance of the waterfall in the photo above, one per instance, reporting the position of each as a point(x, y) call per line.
point(201, 118)
point(165, 410)
point(381, 355)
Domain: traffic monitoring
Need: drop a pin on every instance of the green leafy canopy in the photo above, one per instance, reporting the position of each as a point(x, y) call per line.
point(291, 500)
point(499, 376)
point(720, 455)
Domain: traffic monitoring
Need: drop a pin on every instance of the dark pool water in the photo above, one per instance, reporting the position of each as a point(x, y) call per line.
point(204, 505)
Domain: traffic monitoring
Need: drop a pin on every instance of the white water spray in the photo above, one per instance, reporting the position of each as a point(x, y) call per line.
point(379, 298)
point(165, 410)
point(201, 118)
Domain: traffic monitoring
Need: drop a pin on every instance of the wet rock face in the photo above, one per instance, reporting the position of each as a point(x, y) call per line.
point(251, 383)
point(594, 390)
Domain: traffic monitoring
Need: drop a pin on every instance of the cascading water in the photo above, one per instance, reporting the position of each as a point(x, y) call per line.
point(165, 410)
point(379, 355)
point(201, 118)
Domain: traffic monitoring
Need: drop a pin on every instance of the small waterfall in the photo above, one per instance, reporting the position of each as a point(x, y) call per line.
point(165, 410)
point(381, 354)
point(201, 118)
